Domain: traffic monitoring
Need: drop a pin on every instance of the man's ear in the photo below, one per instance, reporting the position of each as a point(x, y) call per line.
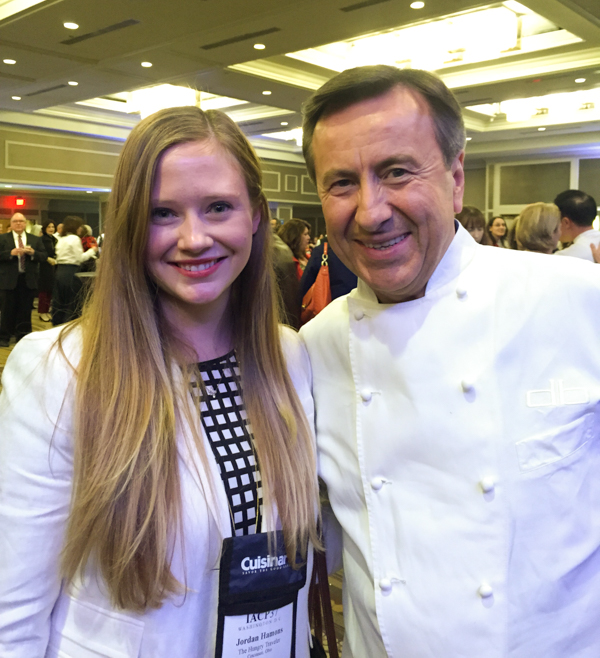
point(458, 175)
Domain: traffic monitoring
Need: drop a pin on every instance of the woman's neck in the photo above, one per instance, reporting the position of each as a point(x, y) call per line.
point(207, 331)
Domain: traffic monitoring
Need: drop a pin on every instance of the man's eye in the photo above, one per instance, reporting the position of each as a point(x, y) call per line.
point(340, 184)
point(396, 172)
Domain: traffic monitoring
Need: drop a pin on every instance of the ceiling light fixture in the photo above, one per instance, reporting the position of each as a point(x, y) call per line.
point(146, 65)
point(482, 34)
point(579, 80)
point(71, 26)
point(259, 46)
point(541, 130)
point(417, 5)
point(469, 139)
point(89, 191)
point(215, 102)
point(284, 123)
point(8, 186)
point(266, 92)
point(151, 99)
point(72, 83)
point(9, 61)
point(16, 98)
point(287, 135)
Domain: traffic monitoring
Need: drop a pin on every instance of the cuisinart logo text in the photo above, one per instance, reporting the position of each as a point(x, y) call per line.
point(260, 563)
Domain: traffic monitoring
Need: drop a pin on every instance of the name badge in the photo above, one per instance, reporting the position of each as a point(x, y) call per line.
point(258, 596)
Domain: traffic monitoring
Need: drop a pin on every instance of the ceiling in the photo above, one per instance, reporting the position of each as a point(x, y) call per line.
point(209, 45)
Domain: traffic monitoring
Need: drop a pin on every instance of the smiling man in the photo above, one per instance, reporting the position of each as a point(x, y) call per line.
point(457, 392)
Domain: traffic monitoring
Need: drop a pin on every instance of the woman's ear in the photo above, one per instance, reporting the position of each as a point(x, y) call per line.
point(256, 221)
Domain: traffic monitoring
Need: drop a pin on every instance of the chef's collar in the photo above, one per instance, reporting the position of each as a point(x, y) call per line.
point(458, 255)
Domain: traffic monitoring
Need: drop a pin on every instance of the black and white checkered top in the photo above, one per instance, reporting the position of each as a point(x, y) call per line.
point(230, 436)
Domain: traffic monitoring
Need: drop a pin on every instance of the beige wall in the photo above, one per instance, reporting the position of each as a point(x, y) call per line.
point(288, 183)
point(529, 183)
point(31, 156)
point(475, 188)
point(589, 177)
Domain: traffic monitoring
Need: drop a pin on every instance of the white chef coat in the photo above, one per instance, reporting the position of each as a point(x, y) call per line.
point(581, 245)
point(39, 616)
point(458, 436)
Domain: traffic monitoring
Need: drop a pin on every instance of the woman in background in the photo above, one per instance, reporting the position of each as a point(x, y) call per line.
point(88, 241)
point(46, 273)
point(167, 420)
point(66, 299)
point(473, 220)
point(538, 228)
point(497, 232)
point(296, 234)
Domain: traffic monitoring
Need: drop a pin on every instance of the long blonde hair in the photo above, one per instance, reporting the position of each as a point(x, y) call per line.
point(130, 400)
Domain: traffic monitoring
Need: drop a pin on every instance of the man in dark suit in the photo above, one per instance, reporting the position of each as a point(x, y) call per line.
point(20, 255)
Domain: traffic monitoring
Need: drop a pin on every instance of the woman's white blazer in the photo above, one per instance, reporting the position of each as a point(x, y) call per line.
point(39, 615)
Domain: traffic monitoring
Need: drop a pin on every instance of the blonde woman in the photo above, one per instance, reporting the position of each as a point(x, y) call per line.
point(538, 228)
point(147, 442)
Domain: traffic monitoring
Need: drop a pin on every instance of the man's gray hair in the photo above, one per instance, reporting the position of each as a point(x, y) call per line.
point(366, 82)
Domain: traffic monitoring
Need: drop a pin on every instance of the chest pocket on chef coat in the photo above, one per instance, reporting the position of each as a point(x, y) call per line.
point(90, 631)
point(556, 444)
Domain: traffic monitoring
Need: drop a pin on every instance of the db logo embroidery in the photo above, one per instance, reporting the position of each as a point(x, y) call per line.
point(557, 395)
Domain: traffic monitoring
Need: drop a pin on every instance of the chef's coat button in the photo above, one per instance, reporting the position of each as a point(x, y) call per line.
point(487, 485)
point(461, 292)
point(467, 385)
point(376, 483)
point(485, 591)
point(359, 315)
point(366, 395)
point(385, 585)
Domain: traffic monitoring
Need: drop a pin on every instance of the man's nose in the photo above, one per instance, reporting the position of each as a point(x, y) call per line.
point(372, 209)
point(194, 233)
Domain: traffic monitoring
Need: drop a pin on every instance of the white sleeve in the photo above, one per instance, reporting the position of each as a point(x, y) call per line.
point(90, 253)
point(36, 465)
point(69, 250)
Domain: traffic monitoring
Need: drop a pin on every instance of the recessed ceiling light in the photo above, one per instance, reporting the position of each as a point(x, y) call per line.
point(9, 61)
point(16, 98)
point(146, 65)
point(266, 92)
point(577, 80)
point(71, 26)
point(417, 5)
point(89, 191)
point(469, 139)
point(259, 46)
point(541, 129)
point(8, 186)
point(284, 123)
point(73, 83)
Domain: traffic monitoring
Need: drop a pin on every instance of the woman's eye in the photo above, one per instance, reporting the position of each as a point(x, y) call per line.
point(161, 213)
point(220, 207)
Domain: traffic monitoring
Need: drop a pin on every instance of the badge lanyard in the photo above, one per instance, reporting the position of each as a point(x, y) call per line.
point(258, 597)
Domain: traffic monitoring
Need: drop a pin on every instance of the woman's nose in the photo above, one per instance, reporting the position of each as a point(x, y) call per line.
point(194, 233)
